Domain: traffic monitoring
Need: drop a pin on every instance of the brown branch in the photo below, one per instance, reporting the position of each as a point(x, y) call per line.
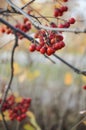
point(28, 4)
point(10, 81)
point(4, 122)
point(70, 66)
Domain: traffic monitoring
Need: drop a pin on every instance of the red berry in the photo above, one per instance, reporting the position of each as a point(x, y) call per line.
point(23, 110)
point(62, 44)
point(26, 105)
point(57, 12)
point(59, 37)
point(3, 30)
point(29, 100)
point(50, 51)
point(53, 25)
point(52, 41)
point(64, 8)
point(32, 47)
point(72, 20)
point(84, 87)
point(38, 47)
point(19, 118)
point(25, 20)
point(67, 25)
point(43, 50)
point(61, 26)
point(23, 116)
point(57, 46)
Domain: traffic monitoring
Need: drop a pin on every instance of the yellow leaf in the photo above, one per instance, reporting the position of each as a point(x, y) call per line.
point(6, 115)
point(84, 78)
point(0, 117)
point(84, 122)
point(36, 73)
point(18, 99)
point(28, 127)
point(30, 114)
point(33, 75)
point(17, 69)
point(68, 78)
point(33, 120)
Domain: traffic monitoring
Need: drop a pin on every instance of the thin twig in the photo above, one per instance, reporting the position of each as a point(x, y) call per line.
point(28, 4)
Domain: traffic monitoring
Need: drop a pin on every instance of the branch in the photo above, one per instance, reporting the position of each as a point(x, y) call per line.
point(10, 81)
point(18, 30)
point(12, 74)
point(28, 4)
point(33, 40)
point(4, 122)
point(39, 26)
point(70, 66)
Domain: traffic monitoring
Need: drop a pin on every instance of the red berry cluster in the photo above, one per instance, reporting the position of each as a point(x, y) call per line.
point(17, 111)
point(49, 42)
point(25, 27)
point(67, 23)
point(60, 11)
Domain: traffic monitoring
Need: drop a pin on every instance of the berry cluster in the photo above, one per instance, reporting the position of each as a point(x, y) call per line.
point(49, 42)
point(25, 27)
point(17, 111)
point(67, 24)
point(60, 10)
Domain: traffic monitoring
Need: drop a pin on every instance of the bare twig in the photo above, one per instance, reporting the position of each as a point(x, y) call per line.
point(30, 2)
